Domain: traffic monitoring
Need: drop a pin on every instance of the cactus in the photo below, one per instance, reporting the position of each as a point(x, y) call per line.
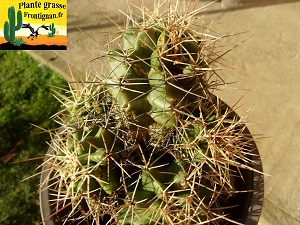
point(148, 143)
point(53, 30)
point(10, 27)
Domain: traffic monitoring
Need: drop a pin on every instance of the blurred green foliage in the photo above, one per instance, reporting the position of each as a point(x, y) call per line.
point(26, 99)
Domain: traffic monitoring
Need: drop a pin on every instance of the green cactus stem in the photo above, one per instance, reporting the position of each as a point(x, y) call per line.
point(10, 27)
point(157, 75)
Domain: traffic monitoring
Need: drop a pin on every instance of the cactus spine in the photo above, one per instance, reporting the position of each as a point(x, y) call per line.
point(147, 143)
point(10, 27)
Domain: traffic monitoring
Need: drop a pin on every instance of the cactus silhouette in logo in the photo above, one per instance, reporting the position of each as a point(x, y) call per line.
point(10, 27)
point(53, 30)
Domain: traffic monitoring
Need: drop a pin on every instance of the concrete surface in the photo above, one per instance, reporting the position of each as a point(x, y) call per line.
point(265, 67)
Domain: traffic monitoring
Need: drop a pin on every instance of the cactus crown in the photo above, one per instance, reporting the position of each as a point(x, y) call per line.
point(148, 143)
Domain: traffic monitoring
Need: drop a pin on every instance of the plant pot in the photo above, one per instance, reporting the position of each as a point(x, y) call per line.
point(247, 201)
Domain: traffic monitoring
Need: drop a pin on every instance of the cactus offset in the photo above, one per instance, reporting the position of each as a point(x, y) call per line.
point(149, 143)
point(10, 27)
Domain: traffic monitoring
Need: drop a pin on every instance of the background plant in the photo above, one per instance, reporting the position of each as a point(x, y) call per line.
point(26, 100)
